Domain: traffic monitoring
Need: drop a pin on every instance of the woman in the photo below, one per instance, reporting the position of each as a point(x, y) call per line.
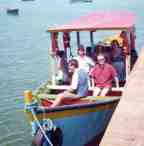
point(84, 61)
point(118, 59)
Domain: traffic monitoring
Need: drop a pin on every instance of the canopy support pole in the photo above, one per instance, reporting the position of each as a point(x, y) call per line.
point(78, 38)
point(128, 57)
point(54, 69)
point(91, 39)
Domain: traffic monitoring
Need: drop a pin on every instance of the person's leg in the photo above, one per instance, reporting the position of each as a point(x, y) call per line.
point(120, 68)
point(104, 91)
point(63, 95)
point(96, 91)
point(58, 100)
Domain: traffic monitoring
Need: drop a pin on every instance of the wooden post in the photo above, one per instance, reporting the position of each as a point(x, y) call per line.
point(54, 64)
point(91, 39)
point(78, 38)
point(54, 49)
point(128, 57)
point(127, 66)
point(28, 97)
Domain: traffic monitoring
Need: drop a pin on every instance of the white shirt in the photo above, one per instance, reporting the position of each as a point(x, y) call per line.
point(85, 62)
point(74, 82)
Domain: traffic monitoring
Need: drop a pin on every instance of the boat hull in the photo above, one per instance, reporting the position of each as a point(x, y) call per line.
point(81, 125)
point(14, 11)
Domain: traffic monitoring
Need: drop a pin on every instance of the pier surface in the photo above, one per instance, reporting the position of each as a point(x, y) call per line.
point(127, 124)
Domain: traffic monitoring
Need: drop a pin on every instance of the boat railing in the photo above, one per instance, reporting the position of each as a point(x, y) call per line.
point(65, 87)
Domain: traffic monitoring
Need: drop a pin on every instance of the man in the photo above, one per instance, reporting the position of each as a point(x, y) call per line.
point(84, 61)
point(103, 75)
point(79, 84)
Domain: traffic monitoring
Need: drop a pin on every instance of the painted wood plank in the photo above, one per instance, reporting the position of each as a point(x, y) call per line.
point(65, 87)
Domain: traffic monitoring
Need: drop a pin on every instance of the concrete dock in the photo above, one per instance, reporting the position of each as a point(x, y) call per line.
point(127, 124)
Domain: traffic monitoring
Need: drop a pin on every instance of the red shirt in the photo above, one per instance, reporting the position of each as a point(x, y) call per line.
point(103, 76)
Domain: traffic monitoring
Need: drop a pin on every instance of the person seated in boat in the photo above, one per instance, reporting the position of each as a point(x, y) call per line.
point(127, 47)
point(62, 66)
point(103, 75)
point(79, 84)
point(89, 52)
point(108, 50)
point(118, 59)
point(84, 61)
point(103, 48)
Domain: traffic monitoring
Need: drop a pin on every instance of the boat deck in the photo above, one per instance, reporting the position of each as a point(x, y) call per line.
point(127, 125)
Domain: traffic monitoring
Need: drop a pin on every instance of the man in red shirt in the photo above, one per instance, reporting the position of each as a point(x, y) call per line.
point(103, 75)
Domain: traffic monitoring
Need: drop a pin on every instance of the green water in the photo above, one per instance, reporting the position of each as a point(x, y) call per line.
point(24, 62)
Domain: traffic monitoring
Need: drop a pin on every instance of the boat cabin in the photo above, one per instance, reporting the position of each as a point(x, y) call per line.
point(118, 27)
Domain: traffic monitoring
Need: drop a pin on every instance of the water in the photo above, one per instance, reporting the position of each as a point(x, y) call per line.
point(24, 45)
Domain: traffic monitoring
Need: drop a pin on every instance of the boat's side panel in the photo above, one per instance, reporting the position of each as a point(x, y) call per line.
point(81, 126)
point(68, 112)
point(81, 130)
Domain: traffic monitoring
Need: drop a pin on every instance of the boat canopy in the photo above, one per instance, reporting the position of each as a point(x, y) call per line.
point(98, 21)
point(93, 22)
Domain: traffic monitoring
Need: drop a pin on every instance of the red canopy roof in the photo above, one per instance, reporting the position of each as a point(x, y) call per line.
point(98, 21)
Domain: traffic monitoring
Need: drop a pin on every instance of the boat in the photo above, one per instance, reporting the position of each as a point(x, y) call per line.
point(83, 1)
point(13, 11)
point(79, 122)
point(27, 0)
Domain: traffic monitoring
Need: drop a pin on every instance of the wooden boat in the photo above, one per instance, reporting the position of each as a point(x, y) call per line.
point(14, 11)
point(83, 1)
point(80, 122)
point(27, 0)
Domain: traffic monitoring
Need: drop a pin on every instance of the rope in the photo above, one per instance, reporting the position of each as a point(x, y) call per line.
point(35, 117)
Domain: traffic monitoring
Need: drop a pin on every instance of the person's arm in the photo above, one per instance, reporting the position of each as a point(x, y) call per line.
point(90, 62)
point(115, 76)
point(92, 83)
point(116, 81)
point(91, 76)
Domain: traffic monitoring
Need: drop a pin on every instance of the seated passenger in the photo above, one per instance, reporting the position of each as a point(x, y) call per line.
point(79, 84)
point(84, 61)
point(89, 51)
point(118, 60)
point(105, 49)
point(103, 75)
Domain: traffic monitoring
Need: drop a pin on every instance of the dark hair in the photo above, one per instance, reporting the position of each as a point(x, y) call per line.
point(81, 47)
point(73, 62)
point(115, 41)
point(89, 51)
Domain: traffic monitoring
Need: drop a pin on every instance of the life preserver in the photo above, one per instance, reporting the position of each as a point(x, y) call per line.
point(53, 133)
point(107, 41)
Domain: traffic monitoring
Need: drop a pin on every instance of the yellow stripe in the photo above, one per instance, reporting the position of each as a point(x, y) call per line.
point(70, 112)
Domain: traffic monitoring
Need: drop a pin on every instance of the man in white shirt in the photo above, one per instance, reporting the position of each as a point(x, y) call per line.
point(84, 61)
point(79, 84)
